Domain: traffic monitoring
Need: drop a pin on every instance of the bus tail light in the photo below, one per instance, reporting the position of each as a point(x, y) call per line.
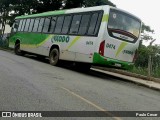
point(101, 48)
point(135, 56)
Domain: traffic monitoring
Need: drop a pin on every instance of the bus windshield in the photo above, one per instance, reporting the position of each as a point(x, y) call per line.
point(125, 24)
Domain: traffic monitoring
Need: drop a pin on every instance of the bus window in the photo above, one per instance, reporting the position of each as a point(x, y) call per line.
point(20, 25)
point(66, 24)
point(31, 25)
point(23, 25)
point(59, 24)
point(75, 24)
point(27, 25)
point(52, 25)
point(15, 26)
point(40, 24)
point(123, 26)
point(98, 23)
point(35, 27)
point(46, 24)
point(84, 24)
point(93, 22)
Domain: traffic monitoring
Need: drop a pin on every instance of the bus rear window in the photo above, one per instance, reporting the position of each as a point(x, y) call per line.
point(123, 26)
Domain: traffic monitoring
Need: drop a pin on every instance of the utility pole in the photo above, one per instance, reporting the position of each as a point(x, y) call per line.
point(150, 60)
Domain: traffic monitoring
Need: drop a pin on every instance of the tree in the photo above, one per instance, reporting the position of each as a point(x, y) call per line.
point(142, 60)
point(72, 4)
point(4, 12)
point(48, 5)
point(146, 32)
point(146, 28)
point(90, 3)
point(11, 8)
point(86, 3)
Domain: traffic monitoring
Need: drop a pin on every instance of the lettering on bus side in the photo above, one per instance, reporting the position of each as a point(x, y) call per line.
point(128, 52)
point(60, 38)
point(89, 42)
point(111, 46)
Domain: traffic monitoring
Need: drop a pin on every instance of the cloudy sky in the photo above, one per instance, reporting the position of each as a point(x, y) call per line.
point(147, 11)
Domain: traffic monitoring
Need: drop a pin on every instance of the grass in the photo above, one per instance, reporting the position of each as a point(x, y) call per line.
point(156, 72)
point(143, 71)
point(139, 70)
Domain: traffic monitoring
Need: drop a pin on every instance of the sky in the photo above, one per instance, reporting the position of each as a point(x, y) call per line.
point(146, 10)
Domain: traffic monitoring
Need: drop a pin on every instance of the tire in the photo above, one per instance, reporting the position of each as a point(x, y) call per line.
point(17, 50)
point(54, 57)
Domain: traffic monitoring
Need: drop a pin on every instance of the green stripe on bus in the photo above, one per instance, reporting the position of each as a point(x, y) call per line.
point(101, 60)
point(37, 45)
point(121, 47)
point(43, 14)
point(49, 37)
point(105, 18)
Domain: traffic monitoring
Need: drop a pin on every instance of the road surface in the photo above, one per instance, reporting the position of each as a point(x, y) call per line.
point(28, 84)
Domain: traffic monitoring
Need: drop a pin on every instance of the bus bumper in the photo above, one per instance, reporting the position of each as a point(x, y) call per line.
point(104, 61)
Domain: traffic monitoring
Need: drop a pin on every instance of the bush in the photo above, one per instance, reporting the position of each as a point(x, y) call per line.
point(144, 71)
point(139, 70)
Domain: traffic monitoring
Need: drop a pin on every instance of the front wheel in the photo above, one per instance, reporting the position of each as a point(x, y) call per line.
point(17, 49)
point(54, 57)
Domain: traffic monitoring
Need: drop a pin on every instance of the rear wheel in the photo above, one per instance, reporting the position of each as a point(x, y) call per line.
point(54, 57)
point(17, 49)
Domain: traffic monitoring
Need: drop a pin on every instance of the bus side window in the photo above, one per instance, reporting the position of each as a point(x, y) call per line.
point(27, 25)
point(31, 25)
point(66, 24)
point(75, 24)
point(35, 27)
point(20, 25)
point(52, 24)
point(94, 24)
point(98, 23)
point(23, 25)
point(59, 24)
point(46, 24)
point(84, 24)
point(41, 22)
point(15, 26)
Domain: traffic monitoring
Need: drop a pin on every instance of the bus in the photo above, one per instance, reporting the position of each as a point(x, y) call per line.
point(100, 35)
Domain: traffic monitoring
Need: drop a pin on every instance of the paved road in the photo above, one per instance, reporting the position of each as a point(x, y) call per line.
point(28, 84)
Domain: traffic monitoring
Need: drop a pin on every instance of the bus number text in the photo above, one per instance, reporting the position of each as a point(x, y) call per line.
point(111, 46)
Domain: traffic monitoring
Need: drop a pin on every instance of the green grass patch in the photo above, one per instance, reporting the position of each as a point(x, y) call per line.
point(139, 70)
point(156, 72)
point(144, 71)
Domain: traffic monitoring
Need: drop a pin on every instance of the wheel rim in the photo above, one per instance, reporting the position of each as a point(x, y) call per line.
point(18, 49)
point(54, 57)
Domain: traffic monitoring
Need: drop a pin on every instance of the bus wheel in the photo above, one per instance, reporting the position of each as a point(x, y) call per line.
point(54, 57)
point(17, 50)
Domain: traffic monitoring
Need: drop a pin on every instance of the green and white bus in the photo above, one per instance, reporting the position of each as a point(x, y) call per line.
point(101, 35)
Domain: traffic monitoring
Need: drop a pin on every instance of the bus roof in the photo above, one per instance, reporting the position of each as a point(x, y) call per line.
point(73, 10)
point(59, 12)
